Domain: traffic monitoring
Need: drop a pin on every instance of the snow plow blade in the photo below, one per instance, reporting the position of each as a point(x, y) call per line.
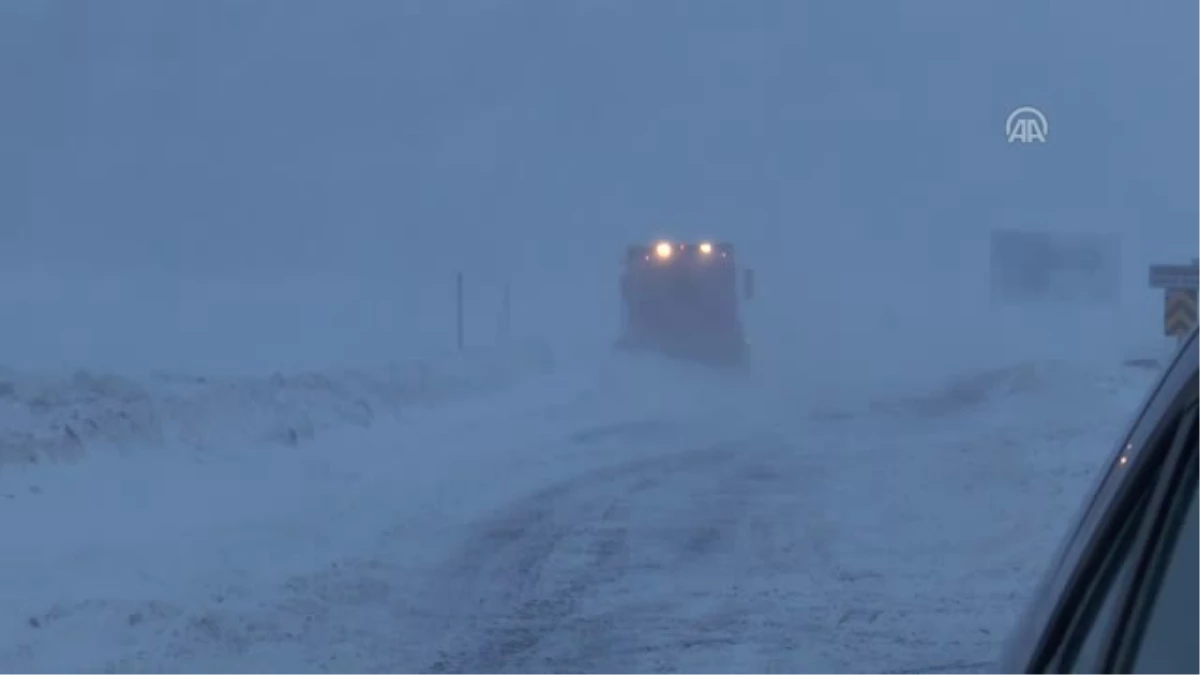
point(681, 301)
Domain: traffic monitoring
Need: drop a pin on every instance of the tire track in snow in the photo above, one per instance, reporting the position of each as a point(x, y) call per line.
point(572, 577)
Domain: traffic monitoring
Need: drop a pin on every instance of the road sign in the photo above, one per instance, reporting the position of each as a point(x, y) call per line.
point(1179, 315)
point(1174, 276)
point(1038, 267)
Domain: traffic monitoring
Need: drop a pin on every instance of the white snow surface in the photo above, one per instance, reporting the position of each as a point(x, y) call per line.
point(600, 516)
point(48, 415)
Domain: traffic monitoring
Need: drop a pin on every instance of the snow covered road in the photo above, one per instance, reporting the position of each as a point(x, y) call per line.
point(658, 563)
point(600, 520)
point(843, 546)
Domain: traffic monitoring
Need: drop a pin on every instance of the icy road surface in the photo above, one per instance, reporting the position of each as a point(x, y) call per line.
point(608, 520)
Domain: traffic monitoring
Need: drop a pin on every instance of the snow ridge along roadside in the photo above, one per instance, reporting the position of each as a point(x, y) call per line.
point(63, 416)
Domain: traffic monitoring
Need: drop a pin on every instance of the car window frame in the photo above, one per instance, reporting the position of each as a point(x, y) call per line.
point(1101, 604)
point(1140, 512)
point(1160, 547)
point(1032, 639)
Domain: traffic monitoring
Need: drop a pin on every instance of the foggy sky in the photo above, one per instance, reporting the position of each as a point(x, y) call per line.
point(832, 141)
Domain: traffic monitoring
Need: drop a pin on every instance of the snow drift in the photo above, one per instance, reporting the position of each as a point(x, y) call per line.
point(56, 416)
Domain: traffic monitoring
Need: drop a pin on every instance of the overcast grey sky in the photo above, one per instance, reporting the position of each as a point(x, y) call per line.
point(404, 139)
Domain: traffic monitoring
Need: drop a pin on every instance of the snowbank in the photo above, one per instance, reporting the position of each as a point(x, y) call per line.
point(46, 416)
point(1032, 392)
point(1026, 385)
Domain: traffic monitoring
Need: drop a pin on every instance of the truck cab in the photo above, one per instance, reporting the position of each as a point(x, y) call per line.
point(681, 300)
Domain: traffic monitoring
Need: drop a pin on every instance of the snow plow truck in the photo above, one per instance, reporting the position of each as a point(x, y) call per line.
point(681, 300)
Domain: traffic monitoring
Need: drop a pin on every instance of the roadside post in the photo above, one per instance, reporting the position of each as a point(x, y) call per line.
point(504, 328)
point(458, 312)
